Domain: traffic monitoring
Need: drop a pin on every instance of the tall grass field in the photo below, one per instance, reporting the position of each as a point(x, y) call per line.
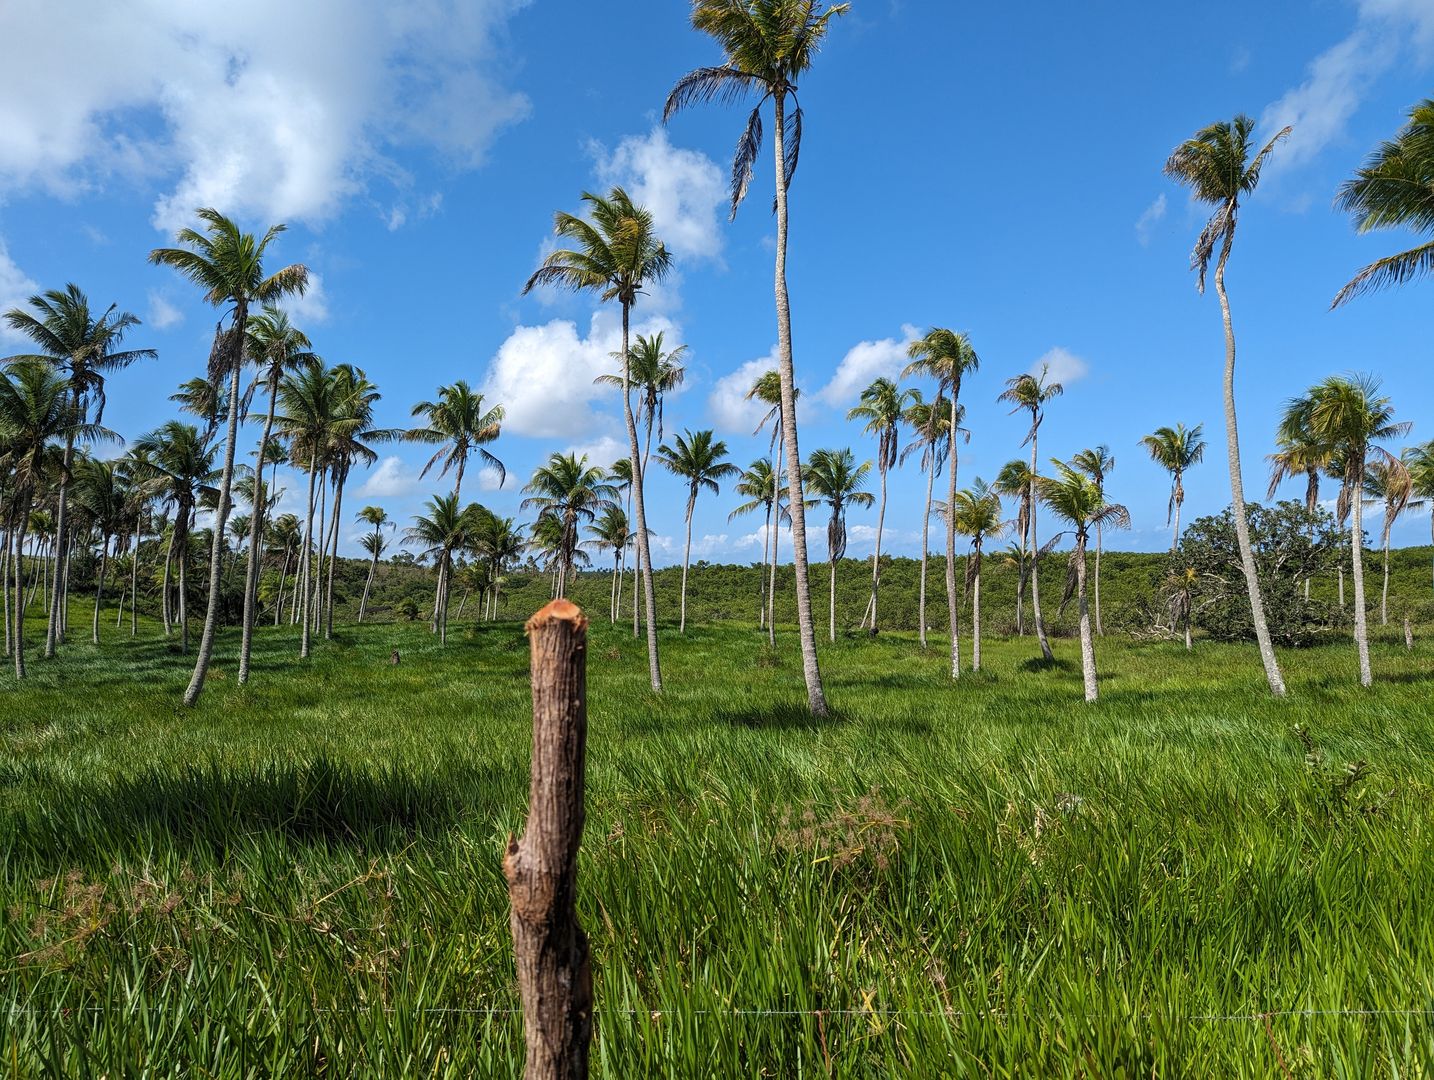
point(983, 878)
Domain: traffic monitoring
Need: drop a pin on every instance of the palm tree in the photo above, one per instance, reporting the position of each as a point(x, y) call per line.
point(308, 411)
point(373, 542)
point(459, 424)
point(100, 491)
point(1387, 480)
point(442, 531)
point(1175, 449)
point(498, 541)
point(1299, 452)
point(929, 422)
point(701, 461)
point(283, 535)
point(833, 476)
point(1030, 393)
point(767, 388)
point(1017, 481)
point(758, 485)
point(882, 406)
point(206, 399)
point(947, 356)
point(610, 532)
point(84, 349)
point(1073, 497)
point(228, 264)
point(1394, 189)
point(617, 254)
point(1216, 165)
point(654, 373)
point(278, 348)
point(620, 476)
point(767, 45)
point(978, 515)
point(1097, 464)
point(572, 493)
point(1348, 414)
point(1419, 460)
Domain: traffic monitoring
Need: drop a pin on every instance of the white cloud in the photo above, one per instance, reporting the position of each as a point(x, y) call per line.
point(277, 111)
point(602, 451)
point(162, 313)
point(864, 362)
point(728, 404)
point(1148, 219)
point(393, 478)
point(1339, 78)
point(682, 188)
point(313, 306)
point(1061, 365)
point(705, 546)
point(489, 479)
point(16, 287)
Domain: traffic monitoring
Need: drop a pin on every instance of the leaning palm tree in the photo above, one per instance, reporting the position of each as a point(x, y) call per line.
point(834, 477)
point(1175, 449)
point(978, 515)
point(610, 532)
point(1394, 189)
point(767, 45)
point(928, 422)
point(84, 349)
point(1388, 483)
point(1348, 414)
point(616, 254)
point(1096, 463)
point(228, 264)
point(947, 356)
point(572, 493)
point(459, 424)
point(373, 542)
point(702, 463)
point(1073, 497)
point(1419, 460)
point(882, 406)
point(1030, 393)
point(1016, 481)
point(1216, 165)
point(758, 485)
point(653, 372)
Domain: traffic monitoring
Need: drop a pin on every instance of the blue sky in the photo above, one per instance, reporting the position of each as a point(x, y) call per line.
point(978, 166)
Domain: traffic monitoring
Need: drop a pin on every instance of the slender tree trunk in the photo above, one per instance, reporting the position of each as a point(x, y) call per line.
point(339, 482)
point(1237, 495)
point(1188, 644)
point(831, 601)
point(279, 598)
point(811, 672)
point(776, 536)
point(686, 558)
point(18, 646)
point(1099, 629)
point(925, 545)
point(1087, 645)
point(368, 584)
point(762, 576)
point(165, 590)
point(1340, 568)
point(316, 575)
point(614, 592)
point(54, 629)
point(183, 598)
point(876, 556)
point(5, 557)
point(976, 611)
point(443, 585)
point(1384, 592)
point(463, 602)
point(134, 582)
point(100, 588)
point(644, 550)
point(952, 614)
point(69, 551)
point(256, 530)
point(306, 566)
point(1177, 499)
point(1361, 618)
point(1036, 560)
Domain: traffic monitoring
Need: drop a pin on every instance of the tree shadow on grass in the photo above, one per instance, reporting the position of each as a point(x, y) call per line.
point(1040, 663)
point(787, 716)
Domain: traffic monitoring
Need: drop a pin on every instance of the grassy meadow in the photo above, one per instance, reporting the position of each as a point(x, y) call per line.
point(981, 879)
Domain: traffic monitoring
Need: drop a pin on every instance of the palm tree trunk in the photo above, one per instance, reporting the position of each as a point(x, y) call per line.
point(1340, 568)
point(368, 584)
point(876, 555)
point(762, 574)
point(18, 647)
point(686, 558)
point(316, 575)
point(134, 581)
point(100, 588)
point(616, 589)
point(69, 552)
point(183, 598)
point(1237, 495)
point(976, 611)
point(952, 615)
point(1176, 500)
point(279, 598)
point(1099, 629)
point(1036, 564)
point(1188, 644)
point(463, 602)
point(164, 587)
point(306, 559)
point(1384, 593)
point(1087, 645)
point(776, 535)
point(1361, 619)
point(831, 600)
point(811, 672)
point(925, 545)
point(54, 626)
point(339, 482)
point(5, 583)
point(443, 598)
point(644, 551)
point(256, 530)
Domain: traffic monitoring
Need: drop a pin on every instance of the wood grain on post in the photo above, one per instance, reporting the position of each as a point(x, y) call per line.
point(554, 974)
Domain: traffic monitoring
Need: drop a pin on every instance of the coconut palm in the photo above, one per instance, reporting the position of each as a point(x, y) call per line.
point(1216, 165)
point(1394, 189)
point(84, 349)
point(929, 422)
point(283, 535)
point(1016, 481)
point(767, 45)
point(100, 491)
point(882, 406)
point(1030, 393)
point(1348, 414)
point(617, 253)
point(1419, 460)
point(459, 424)
point(947, 357)
point(228, 265)
point(205, 399)
point(1074, 498)
point(1096, 463)
point(1180, 596)
point(497, 541)
point(758, 485)
point(654, 373)
point(619, 475)
point(834, 477)
point(699, 460)
point(1175, 449)
point(977, 515)
point(373, 542)
point(1388, 483)
point(443, 530)
point(611, 533)
point(767, 389)
point(572, 493)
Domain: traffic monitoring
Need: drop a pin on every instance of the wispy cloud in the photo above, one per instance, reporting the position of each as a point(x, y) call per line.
point(162, 313)
point(1149, 218)
point(1061, 365)
point(15, 288)
point(865, 361)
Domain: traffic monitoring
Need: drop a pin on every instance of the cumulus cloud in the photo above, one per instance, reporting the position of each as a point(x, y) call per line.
point(15, 288)
point(1061, 365)
point(277, 111)
point(1339, 78)
point(313, 306)
point(1149, 218)
point(683, 189)
point(162, 313)
point(489, 479)
point(392, 478)
point(728, 404)
point(864, 362)
point(602, 451)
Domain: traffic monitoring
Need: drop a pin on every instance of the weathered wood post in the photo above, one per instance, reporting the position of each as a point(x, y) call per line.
point(554, 976)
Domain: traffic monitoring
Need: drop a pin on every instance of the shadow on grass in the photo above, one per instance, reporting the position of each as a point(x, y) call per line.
point(784, 717)
point(1040, 663)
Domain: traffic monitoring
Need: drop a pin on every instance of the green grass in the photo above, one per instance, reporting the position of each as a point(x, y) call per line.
point(983, 879)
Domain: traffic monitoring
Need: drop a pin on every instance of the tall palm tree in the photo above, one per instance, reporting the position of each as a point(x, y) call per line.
point(1216, 165)
point(373, 542)
point(610, 532)
point(1073, 497)
point(882, 406)
point(283, 535)
point(100, 491)
point(572, 493)
point(308, 412)
point(228, 265)
point(1017, 481)
point(1349, 414)
point(1175, 449)
point(498, 542)
point(700, 460)
point(1097, 463)
point(767, 45)
point(767, 389)
point(460, 424)
point(1394, 189)
point(978, 516)
point(1419, 460)
point(1388, 482)
point(84, 349)
point(616, 254)
point(204, 398)
point(441, 532)
point(834, 477)
point(929, 422)
point(948, 357)
point(619, 475)
point(278, 347)
point(1300, 452)
point(1030, 393)
point(758, 485)
point(136, 471)
point(653, 373)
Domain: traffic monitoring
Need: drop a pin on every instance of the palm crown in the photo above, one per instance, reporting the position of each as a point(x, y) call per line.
point(460, 424)
point(1175, 449)
point(882, 406)
point(617, 251)
point(699, 459)
point(834, 477)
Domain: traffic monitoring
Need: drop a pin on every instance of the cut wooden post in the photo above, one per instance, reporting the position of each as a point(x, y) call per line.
point(554, 975)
